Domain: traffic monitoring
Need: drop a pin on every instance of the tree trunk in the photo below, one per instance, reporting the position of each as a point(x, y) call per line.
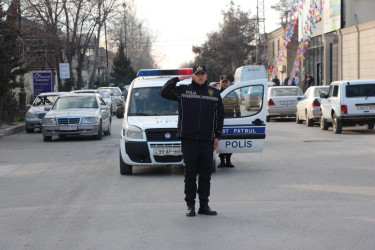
point(93, 73)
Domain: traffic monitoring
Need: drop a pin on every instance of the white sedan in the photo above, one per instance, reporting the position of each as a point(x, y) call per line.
point(282, 101)
point(308, 108)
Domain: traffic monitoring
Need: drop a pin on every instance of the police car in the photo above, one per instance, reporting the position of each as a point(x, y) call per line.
point(149, 128)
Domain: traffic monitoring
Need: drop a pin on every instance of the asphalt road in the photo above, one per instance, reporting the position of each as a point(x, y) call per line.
point(309, 189)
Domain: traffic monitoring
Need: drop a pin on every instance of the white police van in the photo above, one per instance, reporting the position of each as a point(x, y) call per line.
point(148, 136)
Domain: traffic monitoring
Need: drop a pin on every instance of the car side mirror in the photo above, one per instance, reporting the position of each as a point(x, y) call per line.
point(323, 95)
point(28, 106)
point(104, 107)
point(47, 109)
point(120, 112)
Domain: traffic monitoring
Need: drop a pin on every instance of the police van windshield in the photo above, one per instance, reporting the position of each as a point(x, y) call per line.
point(147, 102)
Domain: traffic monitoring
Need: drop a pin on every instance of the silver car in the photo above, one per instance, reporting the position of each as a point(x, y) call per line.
point(106, 94)
point(282, 101)
point(77, 114)
point(308, 109)
point(117, 94)
point(36, 112)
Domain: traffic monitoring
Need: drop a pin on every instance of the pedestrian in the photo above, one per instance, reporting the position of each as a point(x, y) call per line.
point(231, 110)
point(309, 80)
point(276, 81)
point(293, 83)
point(200, 124)
point(286, 81)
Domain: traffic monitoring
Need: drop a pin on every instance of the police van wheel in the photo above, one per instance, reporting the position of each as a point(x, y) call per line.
point(214, 166)
point(125, 169)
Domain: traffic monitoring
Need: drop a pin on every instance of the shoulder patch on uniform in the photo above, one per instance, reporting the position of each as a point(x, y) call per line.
point(211, 92)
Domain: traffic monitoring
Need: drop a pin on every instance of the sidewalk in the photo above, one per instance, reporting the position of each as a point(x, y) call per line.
point(11, 129)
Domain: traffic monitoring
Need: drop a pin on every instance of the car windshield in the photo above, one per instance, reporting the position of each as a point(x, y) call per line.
point(320, 91)
point(45, 100)
point(286, 92)
point(147, 101)
point(360, 90)
point(104, 93)
point(73, 102)
point(116, 92)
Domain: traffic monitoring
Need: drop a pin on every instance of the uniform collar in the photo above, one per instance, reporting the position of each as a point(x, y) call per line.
point(196, 85)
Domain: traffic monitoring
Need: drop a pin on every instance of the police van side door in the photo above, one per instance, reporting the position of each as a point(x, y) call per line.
point(245, 111)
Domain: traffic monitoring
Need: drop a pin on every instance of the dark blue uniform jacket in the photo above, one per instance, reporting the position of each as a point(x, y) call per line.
point(200, 109)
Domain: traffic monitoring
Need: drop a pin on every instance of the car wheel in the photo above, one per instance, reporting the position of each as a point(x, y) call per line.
point(298, 121)
point(100, 132)
point(108, 132)
point(214, 165)
point(62, 136)
point(47, 138)
point(125, 169)
point(323, 122)
point(29, 130)
point(268, 118)
point(370, 125)
point(309, 122)
point(337, 125)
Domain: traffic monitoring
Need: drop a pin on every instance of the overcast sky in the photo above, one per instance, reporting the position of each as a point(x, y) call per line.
point(181, 24)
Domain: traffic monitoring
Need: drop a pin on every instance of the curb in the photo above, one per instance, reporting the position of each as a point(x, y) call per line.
point(12, 130)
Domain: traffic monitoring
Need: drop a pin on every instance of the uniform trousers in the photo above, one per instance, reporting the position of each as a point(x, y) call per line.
point(198, 160)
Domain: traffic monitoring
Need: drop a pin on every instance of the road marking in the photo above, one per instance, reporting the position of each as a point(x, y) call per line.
point(6, 169)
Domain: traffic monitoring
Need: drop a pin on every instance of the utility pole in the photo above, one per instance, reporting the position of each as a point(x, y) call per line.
point(260, 32)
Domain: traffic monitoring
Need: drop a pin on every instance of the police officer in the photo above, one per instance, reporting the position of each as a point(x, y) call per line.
point(225, 160)
point(200, 123)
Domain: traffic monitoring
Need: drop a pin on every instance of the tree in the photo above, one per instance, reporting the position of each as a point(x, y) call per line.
point(103, 9)
point(137, 38)
point(11, 65)
point(231, 46)
point(122, 71)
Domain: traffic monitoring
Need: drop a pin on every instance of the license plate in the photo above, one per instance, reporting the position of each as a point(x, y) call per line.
point(68, 128)
point(369, 107)
point(287, 103)
point(167, 151)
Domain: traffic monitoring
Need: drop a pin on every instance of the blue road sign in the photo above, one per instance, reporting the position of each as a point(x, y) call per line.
point(42, 82)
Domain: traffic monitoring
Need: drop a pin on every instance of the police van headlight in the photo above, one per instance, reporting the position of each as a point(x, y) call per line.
point(133, 132)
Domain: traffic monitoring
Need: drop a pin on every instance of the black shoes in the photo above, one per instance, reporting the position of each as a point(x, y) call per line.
point(221, 165)
point(206, 210)
point(229, 165)
point(190, 211)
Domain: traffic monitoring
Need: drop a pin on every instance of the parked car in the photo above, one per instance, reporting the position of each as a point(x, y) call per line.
point(254, 97)
point(308, 109)
point(106, 94)
point(348, 103)
point(77, 114)
point(282, 101)
point(117, 94)
point(36, 112)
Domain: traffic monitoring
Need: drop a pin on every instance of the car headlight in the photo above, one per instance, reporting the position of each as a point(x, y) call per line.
point(49, 121)
point(30, 115)
point(133, 132)
point(90, 120)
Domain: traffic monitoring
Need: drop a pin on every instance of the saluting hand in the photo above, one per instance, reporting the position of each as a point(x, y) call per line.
point(184, 77)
